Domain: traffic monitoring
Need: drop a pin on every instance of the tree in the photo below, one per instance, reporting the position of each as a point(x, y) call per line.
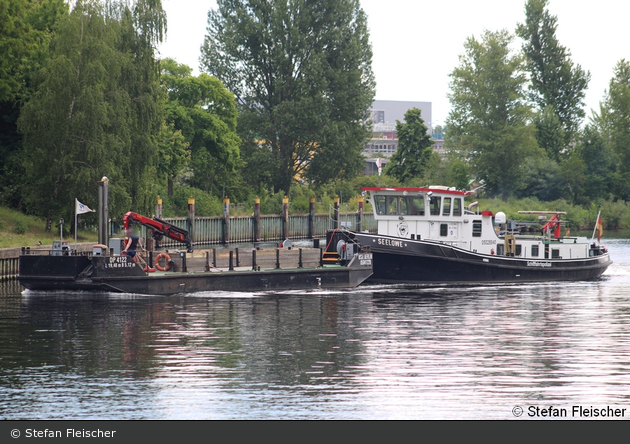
point(550, 134)
point(555, 81)
point(414, 148)
point(205, 112)
point(614, 122)
point(94, 111)
point(301, 72)
point(26, 28)
point(599, 161)
point(489, 119)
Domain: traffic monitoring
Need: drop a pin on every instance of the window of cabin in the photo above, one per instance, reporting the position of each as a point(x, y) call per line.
point(443, 229)
point(446, 208)
point(555, 253)
point(534, 250)
point(381, 204)
point(457, 207)
point(392, 206)
point(415, 206)
point(476, 228)
point(434, 204)
point(519, 250)
point(402, 206)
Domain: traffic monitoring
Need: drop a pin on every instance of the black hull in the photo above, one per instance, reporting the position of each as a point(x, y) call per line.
point(397, 260)
point(46, 273)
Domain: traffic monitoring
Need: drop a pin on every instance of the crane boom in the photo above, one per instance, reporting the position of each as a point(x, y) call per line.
point(159, 228)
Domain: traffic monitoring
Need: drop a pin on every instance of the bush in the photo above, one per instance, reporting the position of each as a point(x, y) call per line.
point(20, 227)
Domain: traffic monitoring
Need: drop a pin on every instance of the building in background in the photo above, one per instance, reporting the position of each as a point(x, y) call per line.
point(384, 140)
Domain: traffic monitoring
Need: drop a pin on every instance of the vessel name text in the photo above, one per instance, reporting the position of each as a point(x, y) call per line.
point(390, 242)
point(538, 264)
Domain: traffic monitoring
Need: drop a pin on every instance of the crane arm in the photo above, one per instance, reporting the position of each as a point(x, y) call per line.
point(159, 226)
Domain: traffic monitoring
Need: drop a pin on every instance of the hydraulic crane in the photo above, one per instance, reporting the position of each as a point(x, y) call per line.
point(159, 228)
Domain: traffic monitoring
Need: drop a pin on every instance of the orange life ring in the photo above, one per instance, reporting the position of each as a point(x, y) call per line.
point(168, 262)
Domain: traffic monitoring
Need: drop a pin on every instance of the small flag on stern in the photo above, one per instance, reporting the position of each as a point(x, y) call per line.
point(80, 208)
point(600, 228)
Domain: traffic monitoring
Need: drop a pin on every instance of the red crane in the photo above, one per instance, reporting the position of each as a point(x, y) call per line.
point(159, 228)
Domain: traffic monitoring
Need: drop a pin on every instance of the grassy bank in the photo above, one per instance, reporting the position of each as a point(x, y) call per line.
point(19, 230)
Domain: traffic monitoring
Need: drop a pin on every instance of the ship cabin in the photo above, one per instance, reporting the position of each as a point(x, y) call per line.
point(439, 214)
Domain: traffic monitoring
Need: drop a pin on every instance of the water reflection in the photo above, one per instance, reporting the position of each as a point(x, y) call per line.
point(377, 352)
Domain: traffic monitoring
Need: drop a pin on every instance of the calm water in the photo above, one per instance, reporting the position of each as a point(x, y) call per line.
point(373, 353)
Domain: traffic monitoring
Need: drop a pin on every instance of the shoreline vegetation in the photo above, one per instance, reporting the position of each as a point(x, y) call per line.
point(20, 230)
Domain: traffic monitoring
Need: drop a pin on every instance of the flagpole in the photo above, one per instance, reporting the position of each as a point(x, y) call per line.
point(76, 204)
point(596, 222)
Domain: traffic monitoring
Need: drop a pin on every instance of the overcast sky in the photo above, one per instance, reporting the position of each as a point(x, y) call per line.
point(416, 44)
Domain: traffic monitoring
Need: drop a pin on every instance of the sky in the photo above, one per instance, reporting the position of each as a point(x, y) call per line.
point(416, 44)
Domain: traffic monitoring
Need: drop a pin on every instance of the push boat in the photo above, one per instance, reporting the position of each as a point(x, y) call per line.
point(427, 235)
point(106, 269)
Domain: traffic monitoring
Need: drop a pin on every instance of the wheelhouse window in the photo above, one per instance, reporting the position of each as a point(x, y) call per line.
point(434, 204)
point(476, 228)
point(535, 251)
point(402, 206)
point(392, 206)
point(446, 207)
point(457, 207)
point(443, 230)
point(380, 204)
point(415, 206)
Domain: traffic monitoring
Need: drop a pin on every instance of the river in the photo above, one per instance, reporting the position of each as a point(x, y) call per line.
point(377, 352)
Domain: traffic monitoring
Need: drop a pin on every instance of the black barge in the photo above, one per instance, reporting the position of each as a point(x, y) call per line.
point(185, 272)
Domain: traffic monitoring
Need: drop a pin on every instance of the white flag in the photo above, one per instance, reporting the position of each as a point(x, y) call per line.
point(82, 208)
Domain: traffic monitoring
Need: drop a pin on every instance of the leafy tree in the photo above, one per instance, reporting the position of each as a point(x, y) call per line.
point(614, 121)
point(94, 111)
point(174, 154)
point(301, 71)
point(488, 122)
point(550, 134)
point(599, 164)
point(541, 179)
point(25, 31)
point(555, 81)
point(205, 113)
point(414, 148)
point(17, 41)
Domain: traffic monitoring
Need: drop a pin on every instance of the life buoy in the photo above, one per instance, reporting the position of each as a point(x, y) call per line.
point(168, 262)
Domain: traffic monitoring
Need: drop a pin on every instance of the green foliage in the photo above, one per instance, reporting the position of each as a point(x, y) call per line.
point(614, 125)
point(95, 111)
point(556, 83)
point(17, 42)
point(489, 120)
point(550, 134)
point(414, 148)
point(302, 74)
point(19, 227)
point(205, 114)
point(206, 205)
point(26, 28)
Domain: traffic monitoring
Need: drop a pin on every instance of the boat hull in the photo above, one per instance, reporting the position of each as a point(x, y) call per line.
point(399, 260)
point(71, 273)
